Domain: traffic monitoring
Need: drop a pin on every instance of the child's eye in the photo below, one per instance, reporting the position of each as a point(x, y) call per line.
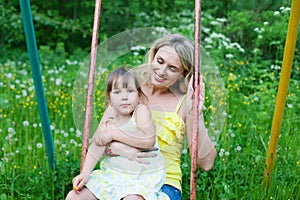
point(116, 92)
point(131, 90)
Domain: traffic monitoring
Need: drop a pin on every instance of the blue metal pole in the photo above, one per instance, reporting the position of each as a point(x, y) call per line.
point(37, 78)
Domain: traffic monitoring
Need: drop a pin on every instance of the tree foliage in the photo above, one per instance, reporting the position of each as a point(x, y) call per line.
point(70, 22)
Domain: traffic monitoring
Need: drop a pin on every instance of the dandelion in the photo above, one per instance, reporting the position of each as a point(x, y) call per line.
point(34, 125)
point(238, 148)
point(227, 153)
point(72, 129)
point(39, 145)
point(9, 75)
point(184, 151)
point(29, 148)
point(78, 133)
point(58, 82)
point(24, 93)
point(25, 123)
point(11, 130)
point(290, 105)
point(221, 153)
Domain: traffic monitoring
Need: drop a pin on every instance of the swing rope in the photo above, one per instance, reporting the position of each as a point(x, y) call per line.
point(89, 98)
point(196, 82)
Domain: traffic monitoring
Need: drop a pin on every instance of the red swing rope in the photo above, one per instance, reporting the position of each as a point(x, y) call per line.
point(89, 97)
point(196, 82)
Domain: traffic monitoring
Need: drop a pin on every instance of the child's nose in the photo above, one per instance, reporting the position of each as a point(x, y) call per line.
point(124, 96)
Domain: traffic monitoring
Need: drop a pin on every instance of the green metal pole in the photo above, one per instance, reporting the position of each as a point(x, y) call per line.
point(37, 78)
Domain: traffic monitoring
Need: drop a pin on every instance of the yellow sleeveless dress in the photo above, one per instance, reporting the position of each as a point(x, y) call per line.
point(170, 130)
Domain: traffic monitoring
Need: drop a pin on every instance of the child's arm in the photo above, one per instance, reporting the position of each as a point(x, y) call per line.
point(92, 157)
point(143, 138)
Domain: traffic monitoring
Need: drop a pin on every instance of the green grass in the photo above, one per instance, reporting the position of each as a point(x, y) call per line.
point(238, 169)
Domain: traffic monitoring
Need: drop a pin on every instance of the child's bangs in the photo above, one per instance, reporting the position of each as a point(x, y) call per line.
point(122, 80)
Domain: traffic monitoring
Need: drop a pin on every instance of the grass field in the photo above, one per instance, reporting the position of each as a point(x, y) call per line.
point(241, 146)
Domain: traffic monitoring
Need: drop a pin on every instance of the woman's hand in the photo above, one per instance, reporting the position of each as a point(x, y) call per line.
point(79, 182)
point(118, 148)
point(102, 136)
point(190, 94)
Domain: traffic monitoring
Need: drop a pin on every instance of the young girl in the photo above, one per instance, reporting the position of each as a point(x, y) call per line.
point(121, 177)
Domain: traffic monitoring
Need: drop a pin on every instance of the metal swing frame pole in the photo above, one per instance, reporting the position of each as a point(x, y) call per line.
point(37, 80)
point(196, 82)
point(89, 97)
point(287, 62)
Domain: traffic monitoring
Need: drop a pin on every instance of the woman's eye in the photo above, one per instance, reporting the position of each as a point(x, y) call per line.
point(160, 61)
point(173, 69)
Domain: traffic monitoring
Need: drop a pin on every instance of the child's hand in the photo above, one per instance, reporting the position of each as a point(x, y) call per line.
point(79, 182)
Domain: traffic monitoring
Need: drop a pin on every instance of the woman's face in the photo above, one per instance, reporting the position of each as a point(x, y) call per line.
point(166, 67)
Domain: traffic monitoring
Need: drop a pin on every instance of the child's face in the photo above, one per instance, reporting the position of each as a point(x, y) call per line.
point(124, 100)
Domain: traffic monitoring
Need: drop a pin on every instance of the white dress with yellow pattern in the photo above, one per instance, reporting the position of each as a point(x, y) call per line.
point(118, 176)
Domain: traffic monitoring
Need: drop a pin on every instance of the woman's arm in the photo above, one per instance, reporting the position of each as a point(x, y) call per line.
point(206, 150)
point(144, 137)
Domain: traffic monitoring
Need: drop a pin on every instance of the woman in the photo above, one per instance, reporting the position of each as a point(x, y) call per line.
point(165, 81)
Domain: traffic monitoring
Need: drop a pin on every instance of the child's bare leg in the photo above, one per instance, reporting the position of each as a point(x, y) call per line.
point(84, 194)
point(133, 197)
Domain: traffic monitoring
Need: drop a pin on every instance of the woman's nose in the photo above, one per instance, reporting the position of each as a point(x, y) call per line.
point(162, 70)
